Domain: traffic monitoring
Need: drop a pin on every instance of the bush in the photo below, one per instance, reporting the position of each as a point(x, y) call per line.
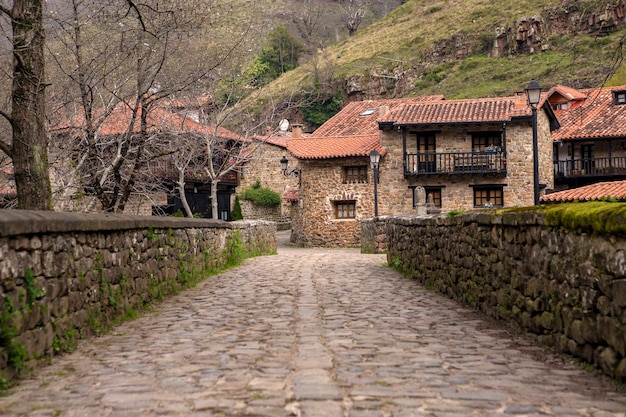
point(262, 196)
point(237, 214)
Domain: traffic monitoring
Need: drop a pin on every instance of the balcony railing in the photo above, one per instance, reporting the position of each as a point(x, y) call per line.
point(598, 167)
point(437, 163)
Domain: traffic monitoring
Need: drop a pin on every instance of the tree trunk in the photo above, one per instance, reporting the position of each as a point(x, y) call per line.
point(180, 184)
point(30, 140)
point(214, 213)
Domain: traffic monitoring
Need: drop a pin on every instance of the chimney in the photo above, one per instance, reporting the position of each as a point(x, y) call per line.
point(296, 131)
point(268, 130)
point(383, 110)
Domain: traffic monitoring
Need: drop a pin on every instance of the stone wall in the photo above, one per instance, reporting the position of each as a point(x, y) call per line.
point(253, 211)
point(65, 276)
point(568, 289)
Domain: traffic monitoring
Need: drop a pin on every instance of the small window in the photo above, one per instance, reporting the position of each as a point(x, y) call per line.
point(560, 106)
point(619, 97)
point(345, 209)
point(489, 196)
point(435, 192)
point(357, 174)
point(482, 141)
point(368, 112)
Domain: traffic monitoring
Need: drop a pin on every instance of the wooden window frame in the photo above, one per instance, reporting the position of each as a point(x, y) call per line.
point(349, 210)
point(488, 195)
point(481, 140)
point(359, 177)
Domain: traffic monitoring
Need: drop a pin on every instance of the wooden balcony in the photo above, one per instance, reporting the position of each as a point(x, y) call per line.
point(454, 163)
point(592, 167)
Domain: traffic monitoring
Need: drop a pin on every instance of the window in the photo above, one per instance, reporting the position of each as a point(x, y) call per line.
point(483, 140)
point(356, 174)
point(435, 191)
point(345, 209)
point(426, 147)
point(488, 196)
point(619, 97)
point(560, 106)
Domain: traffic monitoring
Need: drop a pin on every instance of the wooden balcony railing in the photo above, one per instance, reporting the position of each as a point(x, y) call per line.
point(437, 163)
point(598, 167)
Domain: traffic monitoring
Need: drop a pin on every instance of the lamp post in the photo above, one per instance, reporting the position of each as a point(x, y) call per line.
point(533, 95)
point(284, 163)
point(374, 161)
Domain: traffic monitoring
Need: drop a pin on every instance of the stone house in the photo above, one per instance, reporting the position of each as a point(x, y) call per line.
point(590, 145)
point(264, 167)
point(465, 154)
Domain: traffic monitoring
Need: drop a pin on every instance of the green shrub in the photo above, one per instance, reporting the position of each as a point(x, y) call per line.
point(262, 196)
point(237, 214)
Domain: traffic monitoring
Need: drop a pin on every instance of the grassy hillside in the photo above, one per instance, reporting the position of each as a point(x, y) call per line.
point(410, 52)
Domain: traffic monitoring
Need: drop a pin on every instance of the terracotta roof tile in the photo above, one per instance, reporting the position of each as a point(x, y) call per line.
point(612, 189)
point(597, 117)
point(159, 119)
point(567, 92)
point(353, 131)
point(480, 110)
point(8, 192)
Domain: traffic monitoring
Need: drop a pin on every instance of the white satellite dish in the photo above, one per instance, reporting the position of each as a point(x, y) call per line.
point(284, 125)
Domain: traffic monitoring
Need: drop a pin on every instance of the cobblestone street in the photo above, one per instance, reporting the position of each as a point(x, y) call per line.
point(311, 332)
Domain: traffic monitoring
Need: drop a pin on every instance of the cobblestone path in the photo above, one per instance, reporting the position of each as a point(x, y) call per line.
point(311, 332)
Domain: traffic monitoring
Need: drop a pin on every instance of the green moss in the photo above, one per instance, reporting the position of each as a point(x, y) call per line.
point(604, 218)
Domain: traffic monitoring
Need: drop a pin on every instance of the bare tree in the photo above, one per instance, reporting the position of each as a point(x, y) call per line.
point(28, 148)
point(125, 58)
point(353, 13)
point(307, 19)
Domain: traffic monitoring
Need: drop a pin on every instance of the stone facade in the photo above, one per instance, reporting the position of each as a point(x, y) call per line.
point(64, 276)
point(322, 184)
point(265, 167)
point(568, 289)
point(456, 193)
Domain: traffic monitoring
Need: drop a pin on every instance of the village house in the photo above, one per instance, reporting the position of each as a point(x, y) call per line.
point(590, 145)
point(464, 154)
point(264, 168)
point(161, 197)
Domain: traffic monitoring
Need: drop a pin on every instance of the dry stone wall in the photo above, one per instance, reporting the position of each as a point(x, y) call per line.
point(65, 276)
point(568, 289)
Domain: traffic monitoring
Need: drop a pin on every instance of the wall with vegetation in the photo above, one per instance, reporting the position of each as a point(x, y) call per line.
point(66, 276)
point(559, 273)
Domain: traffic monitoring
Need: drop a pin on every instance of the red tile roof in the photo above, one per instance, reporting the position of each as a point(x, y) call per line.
point(334, 147)
point(159, 119)
point(353, 131)
point(500, 109)
point(8, 192)
point(612, 189)
point(567, 92)
point(597, 117)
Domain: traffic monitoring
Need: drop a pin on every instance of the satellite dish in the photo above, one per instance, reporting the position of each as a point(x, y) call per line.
point(284, 125)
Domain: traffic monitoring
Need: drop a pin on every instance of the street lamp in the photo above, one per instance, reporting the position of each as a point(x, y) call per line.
point(533, 95)
point(374, 161)
point(284, 163)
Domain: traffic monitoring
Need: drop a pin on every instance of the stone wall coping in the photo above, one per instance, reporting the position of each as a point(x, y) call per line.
point(21, 222)
point(485, 217)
